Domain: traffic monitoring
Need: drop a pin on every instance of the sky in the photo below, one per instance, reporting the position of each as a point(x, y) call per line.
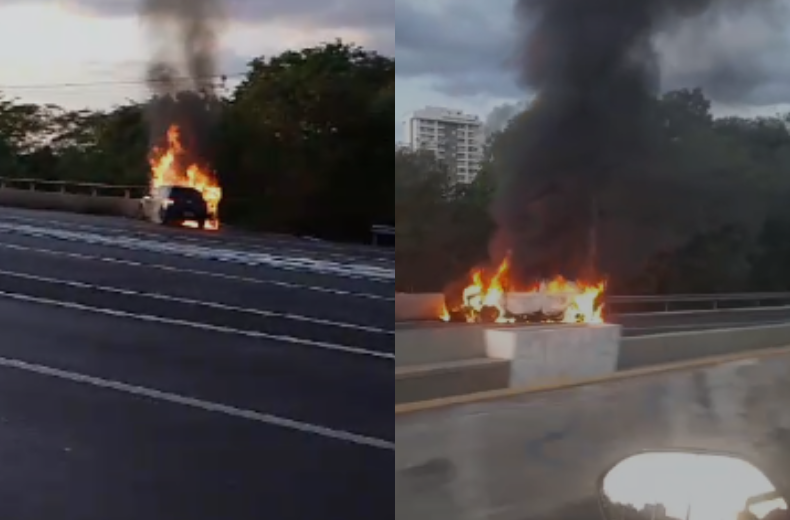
point(463, 54)
point(93, 53)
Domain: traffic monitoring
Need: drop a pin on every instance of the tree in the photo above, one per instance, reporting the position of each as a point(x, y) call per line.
point(442, 230)
point(25, 126)
point(307, 140)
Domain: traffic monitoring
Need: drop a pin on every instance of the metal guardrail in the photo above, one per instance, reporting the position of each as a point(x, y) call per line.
point(81, 188)
point(670, 302)
point(378, 232)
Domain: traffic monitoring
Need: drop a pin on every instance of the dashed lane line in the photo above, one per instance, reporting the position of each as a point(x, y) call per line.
point(191, 402)
point(199, 326)
point(197, 303)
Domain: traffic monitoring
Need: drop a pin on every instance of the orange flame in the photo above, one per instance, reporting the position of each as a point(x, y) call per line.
point(583, 305)
point(578, 302)
point(492, 294)
point(165, 171)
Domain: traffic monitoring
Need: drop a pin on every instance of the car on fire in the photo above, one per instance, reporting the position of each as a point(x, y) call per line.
point(175, 205)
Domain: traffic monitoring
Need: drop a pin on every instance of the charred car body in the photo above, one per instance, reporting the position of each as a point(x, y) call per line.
point(175, 205)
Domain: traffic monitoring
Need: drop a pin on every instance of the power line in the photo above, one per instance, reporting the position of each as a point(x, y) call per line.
point(116, 83)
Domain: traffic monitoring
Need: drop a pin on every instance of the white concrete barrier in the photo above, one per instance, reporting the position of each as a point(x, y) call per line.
point(541, 355)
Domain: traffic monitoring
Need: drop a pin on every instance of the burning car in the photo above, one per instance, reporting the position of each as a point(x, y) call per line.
point(494, 299)
point(181, 191)
point(176, 204)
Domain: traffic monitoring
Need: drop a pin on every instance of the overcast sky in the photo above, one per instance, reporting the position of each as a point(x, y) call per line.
point(47, 43)
point(460, 54)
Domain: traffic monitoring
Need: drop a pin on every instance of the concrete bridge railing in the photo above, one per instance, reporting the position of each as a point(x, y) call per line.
point(73, 197)
point(75, 188)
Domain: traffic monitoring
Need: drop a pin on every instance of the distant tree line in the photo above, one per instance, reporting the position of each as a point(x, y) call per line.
point(708, 211)
point(301, 146)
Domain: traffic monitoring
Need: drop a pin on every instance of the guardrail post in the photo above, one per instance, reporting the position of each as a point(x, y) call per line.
point(32, 186)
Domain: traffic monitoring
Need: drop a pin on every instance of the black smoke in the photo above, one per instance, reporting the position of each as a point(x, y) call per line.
point(594, 68)
point(185, 36)
point(183, 71)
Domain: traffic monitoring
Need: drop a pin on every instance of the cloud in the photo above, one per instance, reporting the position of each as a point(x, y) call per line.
point(370, 19)
point(464, 45)
point(736, 53)
point(735, 57)
point(371, 14)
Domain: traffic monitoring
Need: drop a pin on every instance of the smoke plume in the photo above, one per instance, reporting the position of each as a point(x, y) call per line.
point(595, 69)
point(183, 70)
point(186, 34)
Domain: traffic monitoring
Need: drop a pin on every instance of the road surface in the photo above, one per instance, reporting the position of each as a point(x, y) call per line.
point(168, 374)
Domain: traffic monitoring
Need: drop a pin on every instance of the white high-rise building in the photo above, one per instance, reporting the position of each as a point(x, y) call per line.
point(456, 138)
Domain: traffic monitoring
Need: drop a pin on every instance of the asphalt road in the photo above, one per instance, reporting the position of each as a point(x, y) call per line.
point(175, 374)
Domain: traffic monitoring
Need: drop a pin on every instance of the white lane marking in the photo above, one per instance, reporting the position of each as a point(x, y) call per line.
point(232, 411)
point(326, 249)
point(196, 272)
point(352, 271)
point(198, 303)
point(196, 325)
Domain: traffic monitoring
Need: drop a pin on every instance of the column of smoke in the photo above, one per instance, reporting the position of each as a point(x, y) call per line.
point(595, 70)
point(183, 71)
